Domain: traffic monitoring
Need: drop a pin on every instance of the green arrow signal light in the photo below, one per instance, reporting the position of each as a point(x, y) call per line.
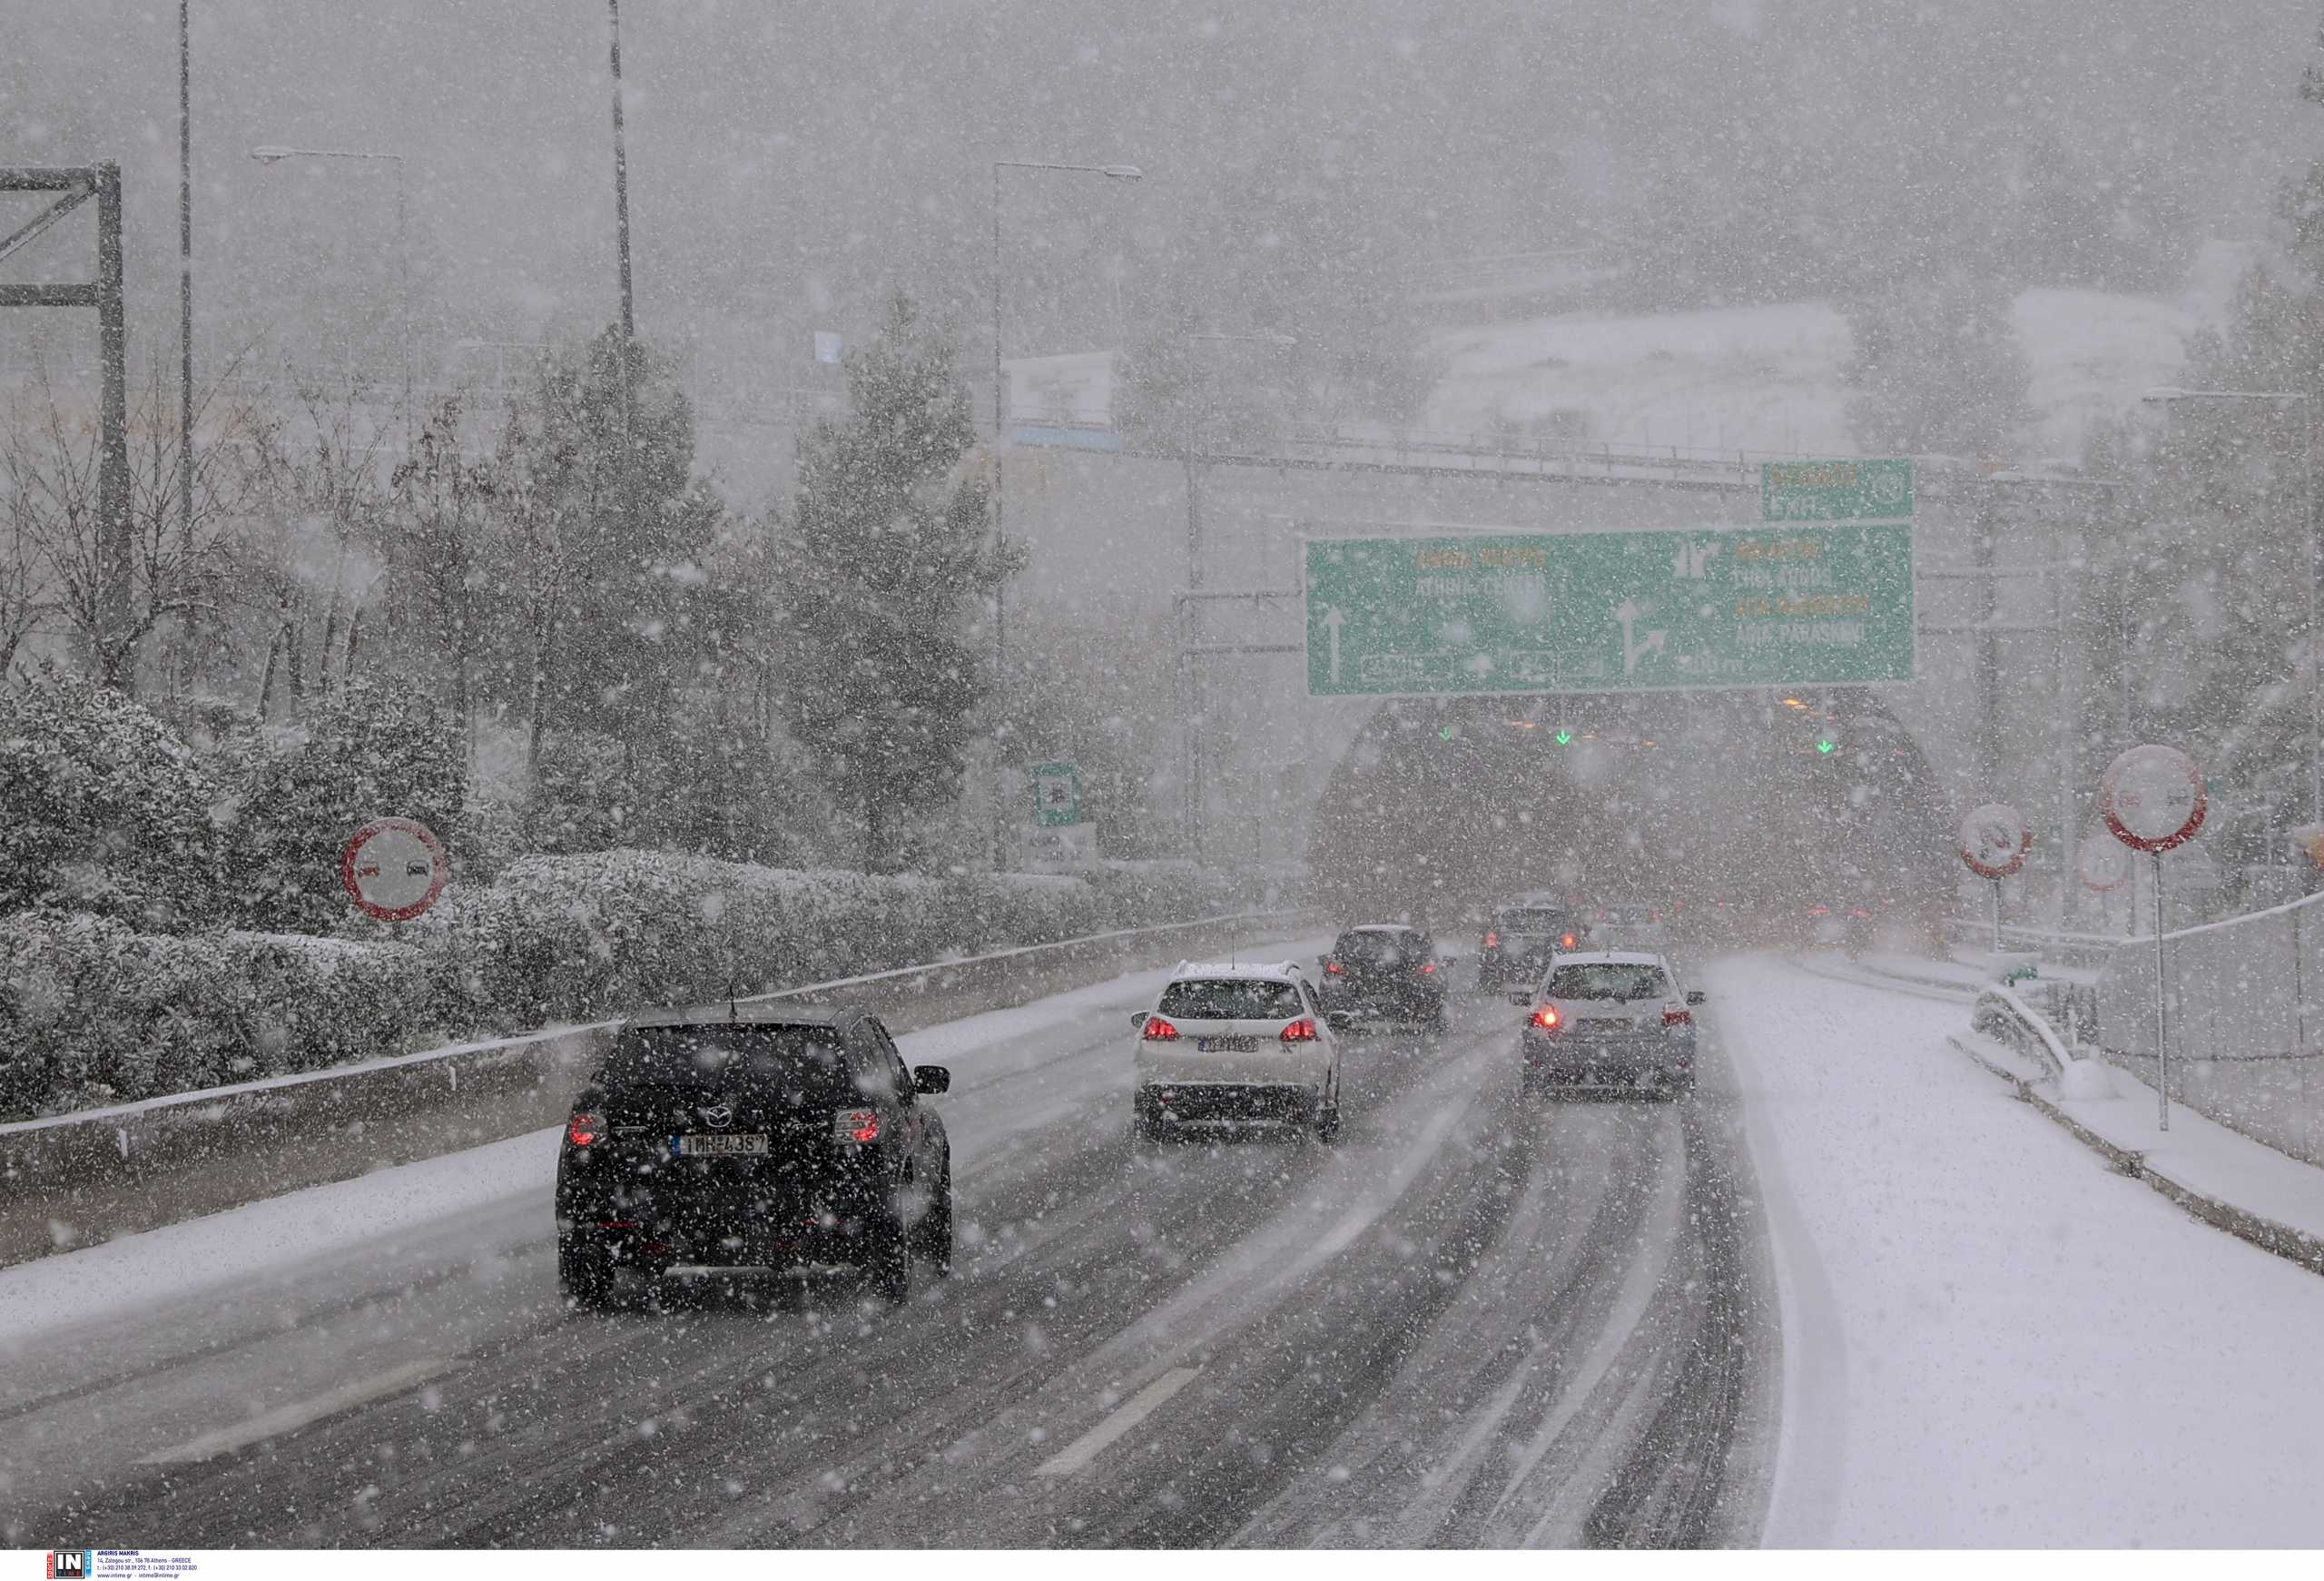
point(1824, 747)
point(1445, 732)
point(1564, 737)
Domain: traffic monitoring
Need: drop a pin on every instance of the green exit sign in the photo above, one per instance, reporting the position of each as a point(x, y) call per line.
point(1836, 490)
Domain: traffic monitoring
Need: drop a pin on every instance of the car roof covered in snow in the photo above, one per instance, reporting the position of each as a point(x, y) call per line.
point(790, 1012)
point(1268, 971)
point(1611, 958)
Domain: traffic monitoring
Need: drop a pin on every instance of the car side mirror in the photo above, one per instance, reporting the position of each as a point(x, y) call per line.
point(930, 1080)
point(1695, 996)
point(1138, 1019)
point(1519, 996)
point(1341, 1020)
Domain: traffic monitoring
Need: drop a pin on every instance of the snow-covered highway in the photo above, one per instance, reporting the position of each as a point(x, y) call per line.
point(1848, 1293)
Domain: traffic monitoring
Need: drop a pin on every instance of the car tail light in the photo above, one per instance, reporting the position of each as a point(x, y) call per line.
point(1302, 1031)
point(1492, 941)
point(584, 1130)
point(1428, 968)
point(1548, 1019)
point(1568, 940)
point(857, 1125)
point(1158, 1031)
point(1334, 967)
point(1678, 1018)
point(618, 1224)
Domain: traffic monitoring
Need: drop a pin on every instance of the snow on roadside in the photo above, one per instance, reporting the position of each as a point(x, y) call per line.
point(1990, 1337)
point(298, 1226)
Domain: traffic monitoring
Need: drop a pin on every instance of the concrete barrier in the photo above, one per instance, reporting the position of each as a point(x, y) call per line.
point(75, 1178)
point(2246, 999)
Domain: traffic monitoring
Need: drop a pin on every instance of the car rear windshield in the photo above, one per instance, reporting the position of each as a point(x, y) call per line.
point(1230, 999)
point(805, 1066)
point(1532, 920)
point(1375, 948)
point(1609, 980)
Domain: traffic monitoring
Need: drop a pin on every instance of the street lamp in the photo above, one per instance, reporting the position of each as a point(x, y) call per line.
point(2169, 395)
point(999, 418)
point(275, 152)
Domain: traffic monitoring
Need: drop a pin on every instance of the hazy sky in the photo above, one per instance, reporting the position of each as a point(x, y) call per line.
point(790, 160)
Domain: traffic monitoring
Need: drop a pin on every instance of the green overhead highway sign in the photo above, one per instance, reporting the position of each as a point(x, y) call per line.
point(1609, 612)
point(1836, 490)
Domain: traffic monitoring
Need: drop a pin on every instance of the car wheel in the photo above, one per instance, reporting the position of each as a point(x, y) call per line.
point(936, 1227)
point(887, 1262)
point(585, 1277)
point(1327, 1116)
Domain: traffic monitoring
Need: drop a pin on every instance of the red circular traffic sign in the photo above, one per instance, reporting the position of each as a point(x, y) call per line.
point(2152, 798)
point(394, 868)
point(1994, 840)
point(2103, 865)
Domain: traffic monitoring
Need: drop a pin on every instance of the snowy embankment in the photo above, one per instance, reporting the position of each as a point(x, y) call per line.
point(1990, 1339)
point(1772, 376)
point(377, 1210)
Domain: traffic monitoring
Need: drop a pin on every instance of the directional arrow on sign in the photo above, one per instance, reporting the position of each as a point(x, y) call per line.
point(1333, 619)
point(1629, 612)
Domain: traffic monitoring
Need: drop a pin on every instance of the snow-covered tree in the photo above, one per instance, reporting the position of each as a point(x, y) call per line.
point(107, 811)
point(1936, 370)
point(375, 749)
point(886, 573)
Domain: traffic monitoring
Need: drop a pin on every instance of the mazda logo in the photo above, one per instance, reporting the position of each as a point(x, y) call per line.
point(717, 1116)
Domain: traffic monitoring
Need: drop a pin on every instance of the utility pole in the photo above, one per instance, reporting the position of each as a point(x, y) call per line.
point(621, 197)
point(113, 556)
point(185, 274)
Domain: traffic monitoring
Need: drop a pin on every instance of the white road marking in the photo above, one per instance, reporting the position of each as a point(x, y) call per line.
point(289, 1419)
point(1139, 1406)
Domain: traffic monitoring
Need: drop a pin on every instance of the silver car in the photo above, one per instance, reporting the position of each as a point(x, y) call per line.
point(1610, 1019)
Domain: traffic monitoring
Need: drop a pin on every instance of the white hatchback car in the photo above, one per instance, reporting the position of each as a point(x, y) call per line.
point(1233, 1043)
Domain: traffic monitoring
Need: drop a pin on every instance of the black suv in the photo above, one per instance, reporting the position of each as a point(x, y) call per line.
point(1385, 972)
point(1521, 938)
point(769, 1139)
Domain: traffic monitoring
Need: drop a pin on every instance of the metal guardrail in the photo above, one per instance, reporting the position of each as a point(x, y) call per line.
point(2247, 1022)
point(72, 1179)
point(2066, 949)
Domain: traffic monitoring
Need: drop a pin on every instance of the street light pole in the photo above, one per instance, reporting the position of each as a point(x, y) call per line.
point(2306, 400)
point(999, 420)
point(271, 154)
point(185, 273)
point(621, 196)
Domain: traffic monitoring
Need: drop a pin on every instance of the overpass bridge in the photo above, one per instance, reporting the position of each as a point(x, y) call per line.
point(1219, 531)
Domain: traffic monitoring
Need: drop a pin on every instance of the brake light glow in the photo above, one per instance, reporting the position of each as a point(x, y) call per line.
point(1568, 940)
point(1334, 967)
point(1492, 941)
point(1428, 968)
point(857, 1125)
point(583, 1129)
point(1548, 1019)
point(1302, 1031)
point(1158, 1031)
point(1678, 1018)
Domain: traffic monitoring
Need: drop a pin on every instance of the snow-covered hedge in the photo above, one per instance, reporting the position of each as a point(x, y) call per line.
point(92, 1012)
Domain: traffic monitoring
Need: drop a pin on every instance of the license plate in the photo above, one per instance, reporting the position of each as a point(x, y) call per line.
point(1227, 1045)
point(721, 1146)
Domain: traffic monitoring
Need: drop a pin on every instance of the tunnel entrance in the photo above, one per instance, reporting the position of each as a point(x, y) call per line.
point(1765, 809)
